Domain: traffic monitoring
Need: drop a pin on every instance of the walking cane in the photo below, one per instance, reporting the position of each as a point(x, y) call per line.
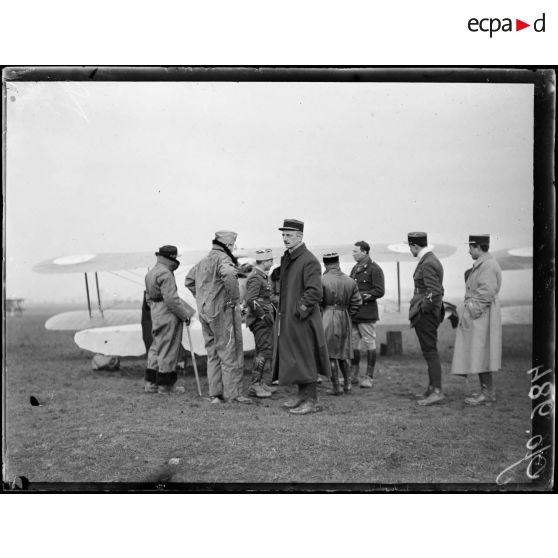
point(193, 359)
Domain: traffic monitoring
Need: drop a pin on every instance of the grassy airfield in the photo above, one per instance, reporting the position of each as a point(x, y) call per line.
point(100, 427)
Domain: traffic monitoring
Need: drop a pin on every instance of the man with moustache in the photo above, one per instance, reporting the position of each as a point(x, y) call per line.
point(168, 314)
point(300, 350)
point(478, 343)
point(425, 312)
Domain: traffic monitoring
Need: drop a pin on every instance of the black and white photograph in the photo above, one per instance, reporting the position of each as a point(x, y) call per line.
point(278, 279)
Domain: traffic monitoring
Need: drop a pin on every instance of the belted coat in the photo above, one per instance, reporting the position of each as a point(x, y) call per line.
point(429, 291)
point(370, 280)
point(340, 302)
point(478, 341)
point(168, 312)
point(300, 350)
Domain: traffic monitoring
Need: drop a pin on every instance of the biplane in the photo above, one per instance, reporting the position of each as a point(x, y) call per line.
point(118, 332)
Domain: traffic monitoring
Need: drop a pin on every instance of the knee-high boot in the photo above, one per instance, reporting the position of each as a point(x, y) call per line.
point(256, 388)
point(371, 363)
point(344, 365)
point(355, 362)
point(335, 389)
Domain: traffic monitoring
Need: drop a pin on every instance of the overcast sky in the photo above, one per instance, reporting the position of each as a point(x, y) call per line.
point(117, 167)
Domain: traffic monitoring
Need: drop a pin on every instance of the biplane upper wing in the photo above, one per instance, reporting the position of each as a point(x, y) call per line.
point(115, 261)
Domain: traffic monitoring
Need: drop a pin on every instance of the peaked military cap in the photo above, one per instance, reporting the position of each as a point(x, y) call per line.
point(331, 257)
point(168, 251)
point(292, 225)
point(263, 255)
point(479, 239)
point(418, 238)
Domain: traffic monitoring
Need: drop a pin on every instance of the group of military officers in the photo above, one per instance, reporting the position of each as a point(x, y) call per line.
point(307, 325)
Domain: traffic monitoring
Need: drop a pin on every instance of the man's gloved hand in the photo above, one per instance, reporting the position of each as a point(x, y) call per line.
point(268, 319)
point(366, 297)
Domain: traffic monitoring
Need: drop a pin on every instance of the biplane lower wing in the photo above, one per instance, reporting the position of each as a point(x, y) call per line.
point(127, 340)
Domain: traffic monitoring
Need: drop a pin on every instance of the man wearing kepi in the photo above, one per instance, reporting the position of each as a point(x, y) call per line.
point(168, 313)
point(341, 301)
point(478, 343)
point(425, 312)
point(370, 280)
point(260, 318)
point(214, 283)
point(300, 351)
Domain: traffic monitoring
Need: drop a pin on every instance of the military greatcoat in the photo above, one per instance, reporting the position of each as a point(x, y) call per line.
point(300, 351)
point(341, 301)
point(478, 342)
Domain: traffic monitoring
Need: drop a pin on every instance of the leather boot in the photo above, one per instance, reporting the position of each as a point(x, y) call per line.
point(256, 388)
point(335, 388)
point(344, 365)
point(487, 395)
point(166, 384)
point(435, 397)
point(150, 384)
point(371, 363)
point(355, 367)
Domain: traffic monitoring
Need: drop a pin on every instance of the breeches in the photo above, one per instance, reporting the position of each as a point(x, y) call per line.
point(263, 335)
point(364, 334)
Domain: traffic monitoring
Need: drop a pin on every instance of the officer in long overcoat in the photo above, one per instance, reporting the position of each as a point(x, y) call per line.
point(300, 350)
point(425, 312)
point(341, 302)
point(168, 314)
point(478, 343)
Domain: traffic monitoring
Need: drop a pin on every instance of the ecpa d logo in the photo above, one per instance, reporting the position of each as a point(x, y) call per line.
point(493, 25)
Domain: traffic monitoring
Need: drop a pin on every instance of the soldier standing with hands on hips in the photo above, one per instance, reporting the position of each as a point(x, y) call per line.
point(425, 312)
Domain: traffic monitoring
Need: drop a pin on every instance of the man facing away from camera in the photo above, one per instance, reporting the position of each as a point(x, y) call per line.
point(300, 350)
point(214, 283)
point(168, 314)
point(341, 301)
point(370, 280)
point(425, 312)
point(478, 342)
point(260, 318)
